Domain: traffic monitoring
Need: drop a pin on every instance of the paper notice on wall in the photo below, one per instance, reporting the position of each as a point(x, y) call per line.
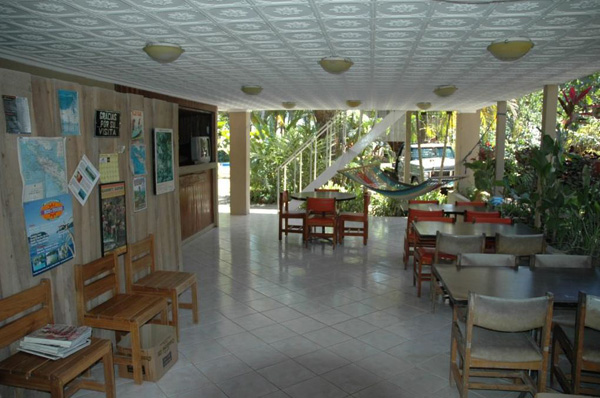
point(109, 167)
point(16, 113)
point(84, 180)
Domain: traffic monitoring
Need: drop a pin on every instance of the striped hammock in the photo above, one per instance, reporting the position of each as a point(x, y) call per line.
point(372, 177)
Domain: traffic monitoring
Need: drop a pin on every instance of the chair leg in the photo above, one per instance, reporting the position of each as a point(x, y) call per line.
point(136, 354)
point(109, 375)
point(280, 226)
point(194, 289)
point(175, 309)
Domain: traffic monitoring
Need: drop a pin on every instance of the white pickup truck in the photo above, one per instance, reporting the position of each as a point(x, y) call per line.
point(432, 160)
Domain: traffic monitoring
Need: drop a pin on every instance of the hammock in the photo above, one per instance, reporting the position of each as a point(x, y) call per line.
point(372, 177)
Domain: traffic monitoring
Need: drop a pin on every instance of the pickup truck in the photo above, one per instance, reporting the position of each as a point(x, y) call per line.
point(432, 160)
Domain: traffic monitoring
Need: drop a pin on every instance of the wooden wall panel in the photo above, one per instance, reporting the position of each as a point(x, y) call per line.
point(161, 217)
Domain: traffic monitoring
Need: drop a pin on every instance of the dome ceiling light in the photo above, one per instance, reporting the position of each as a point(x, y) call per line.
point(288, 104)
point(163, 53)
point(510, 49)
point(423, 105)
point(444, 91)
point(335, 65)
point(353, 103)
point(252, 90)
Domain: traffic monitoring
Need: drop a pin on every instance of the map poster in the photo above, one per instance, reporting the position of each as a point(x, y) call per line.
point(107, 123)
point(68, 104)
point(137, 125)
point(16, 113)
point(164, 179)
point(84, 180)
point(139, 194)
point(49, 227)
point(137, 157)
point(112, 217)
point(43, 167)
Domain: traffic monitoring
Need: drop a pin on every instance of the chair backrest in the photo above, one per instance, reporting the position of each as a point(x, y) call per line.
point(448, 220)
point(486, 259)
point(510, 315)
point(38, 297)
point(320, 205)
point(475, 204)
point(93, 280)
point(284, 200)
point(139, 260)
point(492, 220)
point(520, 245)
point(417, 202)
point(327, 190)
point(470, 214)
point(592, 310)
point(450, 246)
point(562, 261)
point(412, 213)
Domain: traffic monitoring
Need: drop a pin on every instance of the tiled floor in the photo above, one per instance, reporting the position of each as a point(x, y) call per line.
point(282, 320)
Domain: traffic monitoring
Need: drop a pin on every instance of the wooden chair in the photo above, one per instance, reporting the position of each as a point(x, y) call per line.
point(522, 246)
point(487, 260)
point(496, 342)
point(320, 213)
point(362, 218)
point(409, 236)
point(471, 214)
point(492, 220)
point(28, 311)
point(424, 251)
point(141, 276)
point(447, 249)
point(423, 202)
point(561, 261)
point(327, 190)
point(285, 215)
point(581, 347)
point(98, 282)
point(474, 204)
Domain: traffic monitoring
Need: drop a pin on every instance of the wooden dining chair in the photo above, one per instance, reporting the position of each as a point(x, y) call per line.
point(492, 220)
point(100, 305)
point(142, 277)
point(580, 345)
point(409, 236)
point(495, 343)
point(487, 260)
point(468, 203)
point(29, 310)
point(327, 190)
point(355, 224)
point(424, 252)
point(321, 213)
point(471, 214)
point(285, 215)
point(522, 246)
point(561, 261)
point(422, 202)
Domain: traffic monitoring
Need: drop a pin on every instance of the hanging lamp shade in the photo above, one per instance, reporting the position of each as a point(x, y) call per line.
point(252, 90)
point(288, 104)
point(510, 49)
point(423, 105)
point(353, 103)
point(444, 91)
point(163, 53)
point(335, 65)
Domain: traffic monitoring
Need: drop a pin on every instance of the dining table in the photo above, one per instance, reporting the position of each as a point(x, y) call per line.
point(523, 282)
point(428, 230)
point(338, 196)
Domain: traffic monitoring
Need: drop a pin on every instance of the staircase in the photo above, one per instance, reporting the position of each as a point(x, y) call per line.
point(320, 158)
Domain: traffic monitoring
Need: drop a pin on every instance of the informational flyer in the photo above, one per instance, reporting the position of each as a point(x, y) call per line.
point(109, 167)
point(49, 227)
point(137, 157)
point(139, 194)
point(84, 180)
point(137, 125)
point(16, 113)
point(68, 104)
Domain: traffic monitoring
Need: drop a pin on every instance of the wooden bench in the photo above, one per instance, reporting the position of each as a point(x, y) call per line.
point(60, 377)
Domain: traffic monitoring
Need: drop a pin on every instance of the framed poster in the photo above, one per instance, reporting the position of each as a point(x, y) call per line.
point(107, 123)
point(164, 178)
point(113, 218)
point(139, 194)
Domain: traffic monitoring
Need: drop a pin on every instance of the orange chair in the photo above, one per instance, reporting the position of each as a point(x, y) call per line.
point(422, 202)
point(320, 212)
point(285, 215)
point(470, 214)
point(490, 220)
point(409, 237)
point(424, 252)
point(353, 230)
point(475, 204)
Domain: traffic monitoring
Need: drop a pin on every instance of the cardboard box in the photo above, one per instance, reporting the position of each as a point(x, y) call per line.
point(159, 351)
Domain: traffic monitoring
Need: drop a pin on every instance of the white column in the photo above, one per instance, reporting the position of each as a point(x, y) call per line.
point(467, 146)
point(549, 106)
point(239, 123)
point(407, 147)
point(500, 142)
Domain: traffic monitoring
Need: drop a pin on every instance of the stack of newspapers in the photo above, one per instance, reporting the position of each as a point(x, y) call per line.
point(56, 341)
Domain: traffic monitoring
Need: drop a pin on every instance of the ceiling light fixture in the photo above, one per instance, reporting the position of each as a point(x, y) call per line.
point(252, 90)
point(423, 105)
point(163, 53)
point(510, 49)
point(335, 65)
point(444, 91)
point(288, 104)
point(353, 103)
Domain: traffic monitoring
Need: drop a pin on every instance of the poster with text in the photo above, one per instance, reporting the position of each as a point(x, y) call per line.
point(16, 113)
point(68, 104)
point(137, 125)
point(137, 157)
point(84, 180)
point(164, 179)
point(49, 227)
point(139, 194)
point(112, 217)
